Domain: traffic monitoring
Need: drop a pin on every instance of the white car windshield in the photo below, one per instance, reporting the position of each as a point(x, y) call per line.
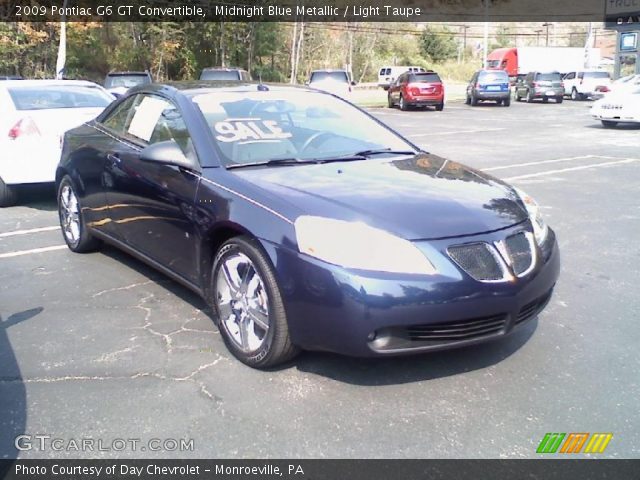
point(262, 126)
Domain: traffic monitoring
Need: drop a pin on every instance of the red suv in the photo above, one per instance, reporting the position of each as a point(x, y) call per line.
point(413, 89)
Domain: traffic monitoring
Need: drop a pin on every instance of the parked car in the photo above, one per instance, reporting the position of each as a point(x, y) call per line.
point(337, 82)
point(225, 74)
point(540, 85)
point(35, 114)
point(491, 85)
point(117, 83)
point(417, 90)
point(626, 83)
point(305, 222)
point(618, 107)
point(582, 84)
point(387, 75)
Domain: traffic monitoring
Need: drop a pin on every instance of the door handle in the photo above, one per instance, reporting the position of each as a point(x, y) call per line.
point(113, 157)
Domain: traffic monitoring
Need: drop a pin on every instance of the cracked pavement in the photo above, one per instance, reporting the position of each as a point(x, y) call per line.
point(101, 346)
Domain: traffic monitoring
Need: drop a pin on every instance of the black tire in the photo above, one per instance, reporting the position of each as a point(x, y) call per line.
point(440, 107)
point(498, 102)
point(467, 100)
point(545, 99)
point(518, 98)
point(403, 105)
point(609, 123)
point(529, 97)
point(574, 94)
point(276, 347)
point(389, 101)
point(85, 242)
point(559, 99)
point(474, 100)
point(507, 102)
point(8, 195)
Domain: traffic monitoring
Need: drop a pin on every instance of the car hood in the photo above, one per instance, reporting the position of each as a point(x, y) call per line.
point(422, 197)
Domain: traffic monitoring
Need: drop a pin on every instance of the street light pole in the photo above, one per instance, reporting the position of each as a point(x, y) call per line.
point(547, 24)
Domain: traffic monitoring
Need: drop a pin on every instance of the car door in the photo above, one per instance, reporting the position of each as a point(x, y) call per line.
point(152, 203)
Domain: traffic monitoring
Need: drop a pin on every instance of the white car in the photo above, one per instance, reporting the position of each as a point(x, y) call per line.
point(336, 82)
point(35, 115)
point(580, 85)
point(620, 85)
point(618, 107)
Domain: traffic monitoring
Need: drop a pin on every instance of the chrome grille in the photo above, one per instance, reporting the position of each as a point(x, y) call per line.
point(520, 252)
point(478, 260)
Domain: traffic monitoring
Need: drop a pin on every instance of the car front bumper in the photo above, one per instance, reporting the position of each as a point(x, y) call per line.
point(368, 314)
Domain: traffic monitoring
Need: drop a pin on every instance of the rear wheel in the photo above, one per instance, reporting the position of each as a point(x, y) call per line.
point(249, 306)
point(498, 102)
point(74, 231)
point(440, 107)
point(403, 106)
point(474, 100)
point(507, 102)
point(559, 99)
point(609, 124)
point(467, 100)
point(545, 99)
point(389, 101)
point(8, 194)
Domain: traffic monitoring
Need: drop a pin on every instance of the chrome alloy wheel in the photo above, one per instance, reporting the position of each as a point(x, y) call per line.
point(70, 215)
point(243, 303)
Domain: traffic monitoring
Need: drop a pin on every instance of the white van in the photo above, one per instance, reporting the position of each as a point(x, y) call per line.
point(388, 75)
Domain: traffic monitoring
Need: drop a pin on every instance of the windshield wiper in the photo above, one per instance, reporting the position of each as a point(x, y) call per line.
point(381, 151)
point(275, 161)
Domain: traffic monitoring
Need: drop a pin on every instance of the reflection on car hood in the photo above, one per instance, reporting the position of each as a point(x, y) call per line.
point(422, 197)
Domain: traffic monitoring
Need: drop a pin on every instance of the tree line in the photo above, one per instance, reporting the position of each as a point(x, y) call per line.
point(273, 52)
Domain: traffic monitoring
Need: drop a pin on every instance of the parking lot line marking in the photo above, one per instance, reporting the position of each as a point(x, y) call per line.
point(26, 232)
point(456, 132)
point(573, 169)
point(542, 162)
point(19, 253)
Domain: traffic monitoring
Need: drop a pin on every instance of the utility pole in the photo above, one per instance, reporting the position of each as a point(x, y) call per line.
point(547, 25)
point(538, 32)
point(464, 40)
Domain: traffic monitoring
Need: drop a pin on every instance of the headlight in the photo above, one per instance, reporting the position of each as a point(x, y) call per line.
point(357, 245)
point(540, 228)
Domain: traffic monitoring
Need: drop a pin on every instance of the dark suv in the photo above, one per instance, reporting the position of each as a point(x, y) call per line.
point(540, 85)
point(492, 85)
point(222, 74)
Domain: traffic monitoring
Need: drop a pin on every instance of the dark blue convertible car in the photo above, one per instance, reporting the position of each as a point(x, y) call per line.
point(305, 222)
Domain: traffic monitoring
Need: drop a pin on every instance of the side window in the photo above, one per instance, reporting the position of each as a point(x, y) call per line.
point(570, 76)
point(158, 120)
point(581, 75)
point(117, 119)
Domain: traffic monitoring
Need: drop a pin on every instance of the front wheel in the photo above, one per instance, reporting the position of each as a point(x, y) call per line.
point(529, 97)
point(74, 230)
point(609, 124)
point(249, 306)
point(8, 195)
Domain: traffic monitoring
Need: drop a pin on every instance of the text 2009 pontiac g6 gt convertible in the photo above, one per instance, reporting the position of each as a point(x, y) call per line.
point(305, 222)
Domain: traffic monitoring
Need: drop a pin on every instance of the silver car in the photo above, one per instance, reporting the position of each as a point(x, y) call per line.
point(539, 85)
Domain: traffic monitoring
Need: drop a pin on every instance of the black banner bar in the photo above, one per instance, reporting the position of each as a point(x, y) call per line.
point(543, 469)
point(313, 10)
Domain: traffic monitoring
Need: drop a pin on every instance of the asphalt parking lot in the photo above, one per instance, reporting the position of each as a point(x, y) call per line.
point(101, 346)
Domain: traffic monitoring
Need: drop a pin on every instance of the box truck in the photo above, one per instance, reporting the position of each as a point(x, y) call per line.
point(520, 61)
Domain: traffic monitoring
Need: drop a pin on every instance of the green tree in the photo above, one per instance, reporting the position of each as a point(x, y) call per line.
point(438, 45)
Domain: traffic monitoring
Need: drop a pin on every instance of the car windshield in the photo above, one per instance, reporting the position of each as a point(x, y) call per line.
point(329, 76)
point(58, 96)
point(262, 126)
point(498, 77)
point(126, 81)
point(220, 75)
point(596, 75)
point(493, 63)
point(424, 77)
point(549, 77)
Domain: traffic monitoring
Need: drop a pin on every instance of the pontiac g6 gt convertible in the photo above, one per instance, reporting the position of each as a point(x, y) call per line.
point(305, 222)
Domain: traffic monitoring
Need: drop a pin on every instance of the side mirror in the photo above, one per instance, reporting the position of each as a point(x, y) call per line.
point(167, 153)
